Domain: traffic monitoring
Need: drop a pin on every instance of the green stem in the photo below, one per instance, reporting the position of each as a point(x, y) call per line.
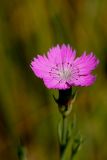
point(21, 153)
point(64, 130)
point(64, 136)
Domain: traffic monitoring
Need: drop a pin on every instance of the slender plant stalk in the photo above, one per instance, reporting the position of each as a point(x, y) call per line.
point(64, 130)
point(21, 153)
point(64, 136)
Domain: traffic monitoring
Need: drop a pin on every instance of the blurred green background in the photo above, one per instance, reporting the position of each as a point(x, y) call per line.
point(27, 108)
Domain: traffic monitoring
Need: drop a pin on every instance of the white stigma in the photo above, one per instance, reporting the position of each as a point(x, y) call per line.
point(65, 74)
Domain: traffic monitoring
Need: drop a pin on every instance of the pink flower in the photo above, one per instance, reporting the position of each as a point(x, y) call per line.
point(61, 70)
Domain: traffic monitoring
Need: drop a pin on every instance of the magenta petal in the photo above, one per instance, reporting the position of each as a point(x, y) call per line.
point(68, 55)
point(54, 84)
point(85, 80)
point(86, 63)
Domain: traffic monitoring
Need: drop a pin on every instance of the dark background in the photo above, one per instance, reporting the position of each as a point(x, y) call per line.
point(27, 108)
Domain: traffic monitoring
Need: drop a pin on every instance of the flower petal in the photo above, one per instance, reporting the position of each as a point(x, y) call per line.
point(85, 80)
point(41, 66)
point(67, 53)
point(86, 63)
point(52, 83)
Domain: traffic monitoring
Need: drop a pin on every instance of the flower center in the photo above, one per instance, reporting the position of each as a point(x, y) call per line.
point(65, 74)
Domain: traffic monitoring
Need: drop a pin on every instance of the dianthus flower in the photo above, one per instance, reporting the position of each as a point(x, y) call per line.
point(60, 69)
